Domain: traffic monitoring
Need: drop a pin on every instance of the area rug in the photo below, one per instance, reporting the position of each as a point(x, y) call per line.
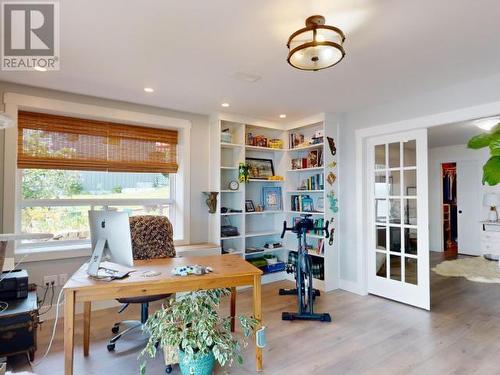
point(475, 269)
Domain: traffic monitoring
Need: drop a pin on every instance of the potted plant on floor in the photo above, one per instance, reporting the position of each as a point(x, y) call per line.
point(192, 323)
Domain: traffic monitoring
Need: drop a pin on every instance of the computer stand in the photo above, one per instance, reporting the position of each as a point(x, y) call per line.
point(95, 259)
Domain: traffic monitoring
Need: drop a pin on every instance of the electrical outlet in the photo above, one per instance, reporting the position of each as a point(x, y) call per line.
point(63, 277)
point(51, 280)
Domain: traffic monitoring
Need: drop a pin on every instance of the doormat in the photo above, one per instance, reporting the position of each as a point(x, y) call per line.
point(475, 269)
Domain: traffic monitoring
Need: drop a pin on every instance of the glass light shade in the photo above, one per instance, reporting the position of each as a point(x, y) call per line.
point(316, 46)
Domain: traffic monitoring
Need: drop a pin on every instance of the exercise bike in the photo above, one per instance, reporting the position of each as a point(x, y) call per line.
point(302, 269)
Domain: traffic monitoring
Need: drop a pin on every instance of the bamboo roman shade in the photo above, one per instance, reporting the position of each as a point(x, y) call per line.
point(59, 142)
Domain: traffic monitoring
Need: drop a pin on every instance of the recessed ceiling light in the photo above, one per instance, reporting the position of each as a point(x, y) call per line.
point(487, 123)
point(148, 89)
point(225, 105)
point(40, 69)
point(282, 115)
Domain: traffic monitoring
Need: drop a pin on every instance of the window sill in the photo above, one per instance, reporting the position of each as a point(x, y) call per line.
point(52, 253)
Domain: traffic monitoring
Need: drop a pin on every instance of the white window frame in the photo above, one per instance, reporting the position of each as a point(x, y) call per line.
point(102, 202)
point(12, 201)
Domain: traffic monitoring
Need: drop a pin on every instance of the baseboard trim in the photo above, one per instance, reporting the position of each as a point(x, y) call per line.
point(352, 287)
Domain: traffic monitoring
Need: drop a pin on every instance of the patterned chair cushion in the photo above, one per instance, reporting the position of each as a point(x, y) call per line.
point(152, 237)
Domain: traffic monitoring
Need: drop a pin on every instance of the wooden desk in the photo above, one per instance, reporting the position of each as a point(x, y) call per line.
point(230, 271)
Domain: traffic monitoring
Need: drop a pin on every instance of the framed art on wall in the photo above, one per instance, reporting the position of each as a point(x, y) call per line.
point(260, 169)
point(271, 198)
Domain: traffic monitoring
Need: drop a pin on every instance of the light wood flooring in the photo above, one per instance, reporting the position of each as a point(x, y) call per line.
point(368, 335)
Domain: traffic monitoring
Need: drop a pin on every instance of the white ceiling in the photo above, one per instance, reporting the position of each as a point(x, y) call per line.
point(452, 134)
point(190, 50)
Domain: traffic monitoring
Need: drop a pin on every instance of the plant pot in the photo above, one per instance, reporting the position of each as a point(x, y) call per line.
point(203, 365)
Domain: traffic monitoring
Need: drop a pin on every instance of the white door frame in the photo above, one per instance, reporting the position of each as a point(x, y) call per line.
point(361, 135)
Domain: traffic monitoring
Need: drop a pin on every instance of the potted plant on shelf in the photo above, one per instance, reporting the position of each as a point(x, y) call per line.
point(192, 323)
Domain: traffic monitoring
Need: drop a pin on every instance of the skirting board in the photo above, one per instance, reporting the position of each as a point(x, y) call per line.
point(351, 286)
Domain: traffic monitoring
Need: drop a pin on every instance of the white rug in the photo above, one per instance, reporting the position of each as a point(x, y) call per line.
point(475, 269)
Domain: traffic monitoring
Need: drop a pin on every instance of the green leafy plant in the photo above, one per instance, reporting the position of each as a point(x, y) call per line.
point(491, 139)
point(192, 323)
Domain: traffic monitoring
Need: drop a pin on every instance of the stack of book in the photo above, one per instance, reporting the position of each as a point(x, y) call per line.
point(315, 182)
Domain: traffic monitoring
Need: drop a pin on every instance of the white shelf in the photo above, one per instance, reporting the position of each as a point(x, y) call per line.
point(306, 169)
point(310, 147)
point(230, 145)
point(272, 277)
point(231, 191)
point(257, 180)
point(231, 237)
point(230, 168)
point(310, 235)
point(305, 212)
point(267, 251)
point(304, 191)
point(263, 149)
point(264, 212)
point(231, 213)
point(261, 234)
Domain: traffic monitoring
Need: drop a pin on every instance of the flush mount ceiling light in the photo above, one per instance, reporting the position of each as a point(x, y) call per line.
point(225, 105)
point(317, 46)
point(149, 89)
point(487, 123)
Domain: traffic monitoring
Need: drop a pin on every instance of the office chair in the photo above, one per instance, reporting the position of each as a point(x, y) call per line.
point(152, 238)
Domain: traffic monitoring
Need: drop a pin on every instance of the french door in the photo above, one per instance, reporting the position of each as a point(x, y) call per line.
point(397, 224)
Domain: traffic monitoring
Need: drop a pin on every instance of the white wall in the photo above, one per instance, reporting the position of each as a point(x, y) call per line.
point(437, 156)
point(198, 179)
point(448, 99)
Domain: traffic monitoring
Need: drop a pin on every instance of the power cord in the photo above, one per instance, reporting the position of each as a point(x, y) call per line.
point(34, 364)
point(52, 287)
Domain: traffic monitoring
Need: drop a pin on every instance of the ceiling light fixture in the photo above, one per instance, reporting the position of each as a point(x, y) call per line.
point(316, 46)
point(225, 105)
point(283, 116)
point(40, 69)
point(487, 123)
point(149, 89)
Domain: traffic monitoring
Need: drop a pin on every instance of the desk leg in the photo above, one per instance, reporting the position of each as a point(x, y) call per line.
point(69, 331)
point(233, 309)
point(87, 307)
point(257, 313)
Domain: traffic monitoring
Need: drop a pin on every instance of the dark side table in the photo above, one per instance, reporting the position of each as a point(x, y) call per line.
point(18, 327)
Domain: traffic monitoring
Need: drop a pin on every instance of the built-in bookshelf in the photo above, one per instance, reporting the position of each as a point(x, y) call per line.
point(302, 156)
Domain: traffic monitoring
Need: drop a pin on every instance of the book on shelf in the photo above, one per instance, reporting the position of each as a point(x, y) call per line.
point(301, 202)
point(313, 159)
point(315, 182)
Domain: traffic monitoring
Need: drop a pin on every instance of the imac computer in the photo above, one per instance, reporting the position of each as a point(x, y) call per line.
point(110, 237)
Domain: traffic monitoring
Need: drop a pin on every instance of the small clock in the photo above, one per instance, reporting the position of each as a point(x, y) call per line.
point(234, 185)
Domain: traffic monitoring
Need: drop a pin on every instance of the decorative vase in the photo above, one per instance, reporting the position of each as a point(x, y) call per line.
point(211, 201)
point(201, 365)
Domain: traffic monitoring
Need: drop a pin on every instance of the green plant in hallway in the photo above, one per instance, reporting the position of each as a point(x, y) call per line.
point(192, 323)
point(491, 139)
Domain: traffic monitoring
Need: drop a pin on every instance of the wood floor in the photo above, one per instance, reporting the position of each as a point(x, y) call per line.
point(368, 335)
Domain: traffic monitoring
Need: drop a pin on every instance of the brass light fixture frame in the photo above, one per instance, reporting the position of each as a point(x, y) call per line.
point(313, 23)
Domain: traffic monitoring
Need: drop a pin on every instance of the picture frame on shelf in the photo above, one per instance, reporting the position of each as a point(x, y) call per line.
point(320, 204)
point(307, 204)
point(260, 169)
point(271, 198)
point(249, 206)
point(313, 159)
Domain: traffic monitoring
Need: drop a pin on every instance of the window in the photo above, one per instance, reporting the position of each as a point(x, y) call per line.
point(68, 166)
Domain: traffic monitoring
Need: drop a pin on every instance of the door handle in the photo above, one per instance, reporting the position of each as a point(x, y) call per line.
point(459, 211)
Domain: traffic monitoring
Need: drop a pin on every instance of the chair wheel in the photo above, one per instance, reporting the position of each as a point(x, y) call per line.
point(111, 347)
point(115, 329)
point(168, 369)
